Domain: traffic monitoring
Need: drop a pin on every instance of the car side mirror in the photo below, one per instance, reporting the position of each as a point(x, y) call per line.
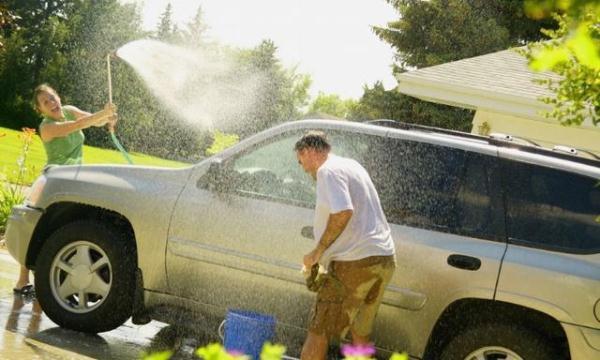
point(214, 178)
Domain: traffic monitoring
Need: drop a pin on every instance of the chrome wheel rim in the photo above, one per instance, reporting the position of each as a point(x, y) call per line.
point(493, 353)
point(81, 277)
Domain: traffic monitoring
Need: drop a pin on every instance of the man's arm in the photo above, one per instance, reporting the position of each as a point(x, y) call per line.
point(336, 223)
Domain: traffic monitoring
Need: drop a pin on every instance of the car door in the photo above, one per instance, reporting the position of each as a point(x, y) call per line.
point(444, 206)
point(235, 240)
point(554, 238)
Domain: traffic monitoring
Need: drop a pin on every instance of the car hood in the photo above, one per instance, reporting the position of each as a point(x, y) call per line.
point(109, 182)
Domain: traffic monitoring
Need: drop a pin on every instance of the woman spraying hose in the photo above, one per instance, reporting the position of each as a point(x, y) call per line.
point(61, 127)
point(63, 139)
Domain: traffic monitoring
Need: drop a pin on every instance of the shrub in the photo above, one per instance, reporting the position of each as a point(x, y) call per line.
point(11, 188)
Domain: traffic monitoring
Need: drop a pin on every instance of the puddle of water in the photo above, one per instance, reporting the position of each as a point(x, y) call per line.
point(27, 335)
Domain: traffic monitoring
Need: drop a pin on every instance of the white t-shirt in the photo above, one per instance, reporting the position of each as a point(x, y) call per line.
point(343, 184)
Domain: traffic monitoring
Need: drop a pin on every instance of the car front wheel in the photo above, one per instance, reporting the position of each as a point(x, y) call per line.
point(85, 277)
point(492, 341)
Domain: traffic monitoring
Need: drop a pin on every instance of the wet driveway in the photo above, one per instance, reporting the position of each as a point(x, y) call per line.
point(28, 334)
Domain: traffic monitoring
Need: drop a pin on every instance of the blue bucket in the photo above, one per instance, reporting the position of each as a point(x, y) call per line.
point(247, 331)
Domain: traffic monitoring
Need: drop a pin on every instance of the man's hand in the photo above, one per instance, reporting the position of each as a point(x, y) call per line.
point(312, 257)
point(335, 225)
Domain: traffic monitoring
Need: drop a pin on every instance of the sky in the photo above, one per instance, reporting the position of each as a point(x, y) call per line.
point(331, 40)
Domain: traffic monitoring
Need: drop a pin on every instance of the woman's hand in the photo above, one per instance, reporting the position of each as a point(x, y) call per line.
point(112, 122)
point(107, 115)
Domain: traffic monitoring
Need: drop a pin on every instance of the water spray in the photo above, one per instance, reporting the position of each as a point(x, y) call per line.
point(111, 129)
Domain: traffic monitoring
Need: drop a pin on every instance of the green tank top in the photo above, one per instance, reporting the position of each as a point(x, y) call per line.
point(65, 150)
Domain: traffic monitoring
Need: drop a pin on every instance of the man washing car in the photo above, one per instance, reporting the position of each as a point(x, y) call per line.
point(354, 244)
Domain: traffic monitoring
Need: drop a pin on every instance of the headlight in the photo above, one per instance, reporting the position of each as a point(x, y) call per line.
point(36, 191)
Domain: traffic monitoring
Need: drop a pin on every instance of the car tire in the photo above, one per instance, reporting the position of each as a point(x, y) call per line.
point(498, 341)
point(85, 277)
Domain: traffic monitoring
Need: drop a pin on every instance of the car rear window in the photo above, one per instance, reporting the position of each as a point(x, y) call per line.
point(552, 208)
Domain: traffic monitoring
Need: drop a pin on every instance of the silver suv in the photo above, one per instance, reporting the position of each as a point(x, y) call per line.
point(498, 245)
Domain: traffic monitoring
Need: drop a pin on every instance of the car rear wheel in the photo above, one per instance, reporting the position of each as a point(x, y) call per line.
point(495, 341)
point(85, 277)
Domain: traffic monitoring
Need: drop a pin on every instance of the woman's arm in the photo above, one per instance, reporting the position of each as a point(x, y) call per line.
point(83, 120)
point(110, 120)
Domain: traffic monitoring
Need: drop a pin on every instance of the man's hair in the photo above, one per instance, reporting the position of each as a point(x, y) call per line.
point(313, 140)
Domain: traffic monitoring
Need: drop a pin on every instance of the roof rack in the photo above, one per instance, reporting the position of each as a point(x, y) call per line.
point(407, 126)
point(507, 137)
point(573, 151)
point(502, 140)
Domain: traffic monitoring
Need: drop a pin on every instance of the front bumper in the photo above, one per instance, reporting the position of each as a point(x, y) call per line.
point(19, 229)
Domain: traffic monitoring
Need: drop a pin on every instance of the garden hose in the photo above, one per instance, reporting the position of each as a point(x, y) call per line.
point(120, 147)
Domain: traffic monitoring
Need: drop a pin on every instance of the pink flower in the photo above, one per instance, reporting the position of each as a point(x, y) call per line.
point(235, 353)
point(358, 350)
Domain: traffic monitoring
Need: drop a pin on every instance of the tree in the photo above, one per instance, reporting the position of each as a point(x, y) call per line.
point(439, 31)
point(196, 30)
point(511, 15)
point(280, 92)
point(378, 103)
point(7, 22)
point(574, 53)
point(432, 32)
point(33, 47)
point(168, 31)
point(332, 104)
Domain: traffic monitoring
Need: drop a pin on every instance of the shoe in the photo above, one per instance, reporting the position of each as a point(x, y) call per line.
point(25, 290)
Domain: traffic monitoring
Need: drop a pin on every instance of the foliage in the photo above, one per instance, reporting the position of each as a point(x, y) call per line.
point(378, 103)
point(270, 351)
point(167, 31)
point(429, 33)
point(281, 93)
point(332, 104)
point(196, 30)
point(221, 142)
point(422, 36)
point(12, 194)
point(439, 31)
point(7, 21)
point(163, 355)
point(217, 352)
point(574, 53)
point(29, 47)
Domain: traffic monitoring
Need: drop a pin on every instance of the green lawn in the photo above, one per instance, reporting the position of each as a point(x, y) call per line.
point(11, 146)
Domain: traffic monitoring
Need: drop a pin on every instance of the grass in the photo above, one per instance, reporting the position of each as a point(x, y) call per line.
point(11, 146)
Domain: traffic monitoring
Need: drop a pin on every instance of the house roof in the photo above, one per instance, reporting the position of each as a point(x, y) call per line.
point(500, 82)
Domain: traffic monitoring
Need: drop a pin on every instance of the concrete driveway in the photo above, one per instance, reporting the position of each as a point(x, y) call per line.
point(28, 334)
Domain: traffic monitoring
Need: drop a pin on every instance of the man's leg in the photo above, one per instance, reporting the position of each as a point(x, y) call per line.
point(315, 347)
point(359, 339)
point(362, 320)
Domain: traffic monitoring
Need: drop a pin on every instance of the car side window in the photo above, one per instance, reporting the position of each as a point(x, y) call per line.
point(479, 206)
point(418, 183)
point(436, 187)
point(552, 208)
point(272, 170)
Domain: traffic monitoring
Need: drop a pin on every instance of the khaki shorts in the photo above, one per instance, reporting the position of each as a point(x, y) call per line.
point(350, 296)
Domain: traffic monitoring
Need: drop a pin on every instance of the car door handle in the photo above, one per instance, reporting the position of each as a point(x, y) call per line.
point(308, 232)
point(464, 262)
